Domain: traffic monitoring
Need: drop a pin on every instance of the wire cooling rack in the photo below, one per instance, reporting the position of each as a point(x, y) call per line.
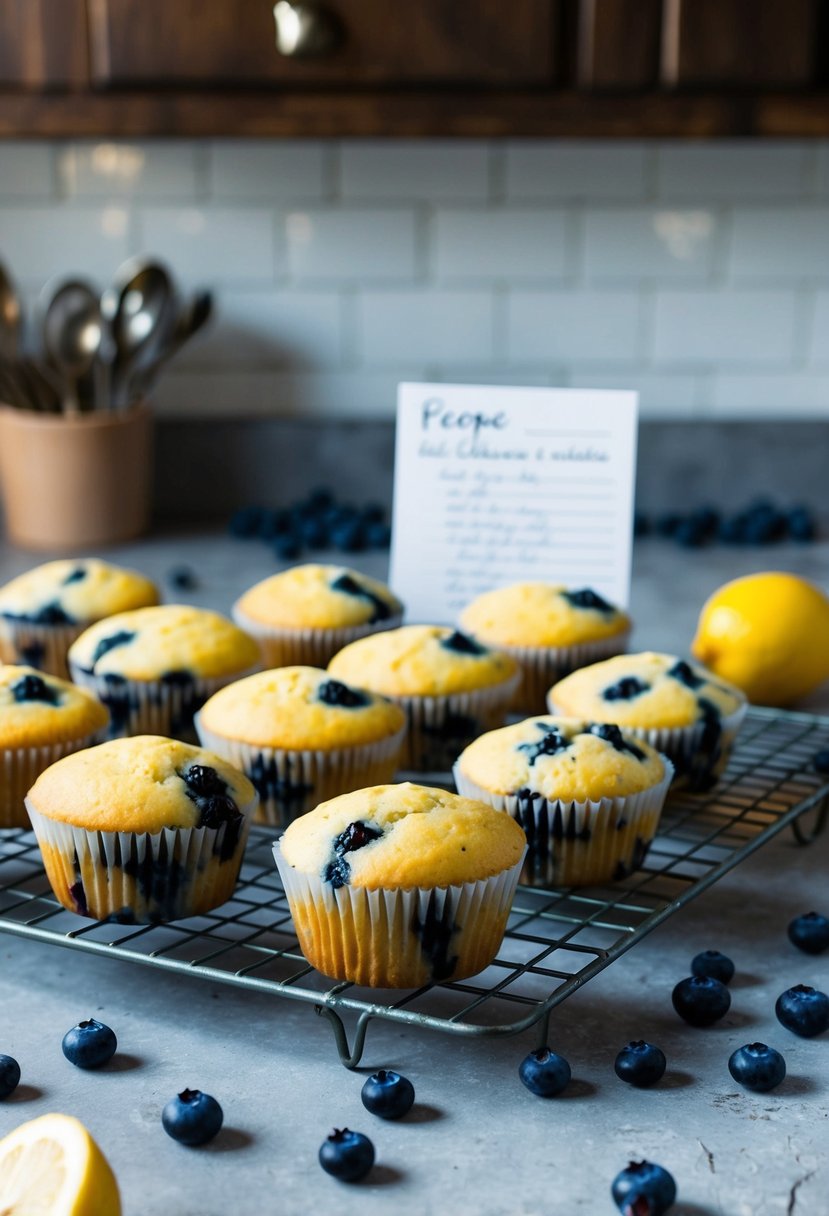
point(555, 941)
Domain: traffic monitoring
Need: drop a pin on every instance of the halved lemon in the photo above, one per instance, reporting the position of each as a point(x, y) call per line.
point(52, 1167)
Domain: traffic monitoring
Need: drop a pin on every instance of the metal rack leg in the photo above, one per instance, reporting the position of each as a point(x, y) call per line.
point(542, 1037)
point(349, 1057)
point(821, 813)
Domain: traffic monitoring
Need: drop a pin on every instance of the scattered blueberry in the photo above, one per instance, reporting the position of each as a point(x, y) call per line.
point(544, 1073)
point(641, 524)
point(689, 534)
point(378, 536)
point(714, 965)
point(9, 1075)
point(246, 522)
point(346, 1155)
point(387, 1094)
point(809, 932)
point(90, 1044)
point(349, 536)
point(760, 523)
point(803, 1010)
point(287, 547)
point(666, 525)
point(640, 1064)
point(801, 524)
point(643, 1189)
point(192, 1117)
point(314, 533)
point(757, 1067)
point(700, 1000)
point(821, 761)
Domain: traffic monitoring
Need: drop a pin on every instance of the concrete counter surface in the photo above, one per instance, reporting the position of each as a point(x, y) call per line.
point(476, 1140)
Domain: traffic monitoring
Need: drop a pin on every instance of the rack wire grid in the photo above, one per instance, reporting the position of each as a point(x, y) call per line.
point(556, 940)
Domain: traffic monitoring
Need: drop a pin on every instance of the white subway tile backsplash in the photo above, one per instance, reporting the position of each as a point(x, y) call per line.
point(661, 394)
point(501, 244)
point(26, 170)
point(434, 169)
point(354, 245)
point(210, 245)
point(128, 170)
point(724, 327)
point(565, 326)
point(780, 243)
point(784, 395)
point(539, 169)
point(649, 243)
point(271, 329)
point(38, 242)
point(246, 394)
point(819, 348)
point(260, 170)
point(732, 169)
point(442, 327)
point(821, 149)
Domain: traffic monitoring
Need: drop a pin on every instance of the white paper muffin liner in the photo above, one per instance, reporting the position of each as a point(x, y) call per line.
point(441, 727)
point(153, 707)
point(697, 763)
point(392, 938)
point(138, 877)
point(20, 767)
point(576, 844)
point(543, 666)
point(292, 781)
point(306, 647)
point(42, 646)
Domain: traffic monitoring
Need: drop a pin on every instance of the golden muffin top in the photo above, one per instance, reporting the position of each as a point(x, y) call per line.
point(318, 597)
point(143, 784)
point(421, 660)
point(562, 758)
point(154, 642)
point(75, 590)
point(646, 690)
point(299, 707)
point(403, 836)
point(37, 709)
point(540, 614)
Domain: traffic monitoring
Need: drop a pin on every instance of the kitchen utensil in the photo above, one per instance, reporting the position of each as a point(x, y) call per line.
point(11, 316)
point(76, 340)
point(141, 308)
point(190, 320)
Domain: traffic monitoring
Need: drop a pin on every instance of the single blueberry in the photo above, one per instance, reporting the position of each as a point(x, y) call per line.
point(625, 689)
point(666, 525)
point(803, 1010)
point(90, 1044)
point(378, 536)
point(122, 638)
point(544, 1072)
point(182, 578)
point(462, 643)
point(388, 1094)
point(373, 513)
point(192, 1117)
point(204, 780)
point(689, 535)
point(346, 1155)
point(643, 1189)
point(216, 810)
point(34, 688)
point(586, 597)
point(685, 674)
point(707, 519)
point(287, 547)
point(640, 1064)
point(700, 1000)
point(809, 932)
point(332, 692)
point(732, 531)
point(757, 1067)
point(611, 734)
point(314, 533)
point(9, 1075)
point(348, 536)
point(75, 576)
point(713, 964)
point(801, 524)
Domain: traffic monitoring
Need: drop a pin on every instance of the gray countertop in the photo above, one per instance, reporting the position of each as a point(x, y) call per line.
point(476, 1141)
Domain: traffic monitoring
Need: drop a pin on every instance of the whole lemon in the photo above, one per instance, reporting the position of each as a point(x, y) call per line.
point(768, 634)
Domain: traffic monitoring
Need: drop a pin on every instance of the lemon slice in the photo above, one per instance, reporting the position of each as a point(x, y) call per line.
point(52, 1167)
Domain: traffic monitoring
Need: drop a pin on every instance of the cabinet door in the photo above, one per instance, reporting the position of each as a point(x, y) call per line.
point(232, 43)
point(618, 43)
point(750, 43)
point(42, 43)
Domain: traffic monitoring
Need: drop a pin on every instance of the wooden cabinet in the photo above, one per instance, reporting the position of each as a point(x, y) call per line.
point(488, 68)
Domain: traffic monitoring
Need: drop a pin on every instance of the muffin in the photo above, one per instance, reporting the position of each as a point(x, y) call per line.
point(681, 709)
point(44, 610)
point(589, 796)
point(41, 719)
point(153, 668)
point(144, 829)
point(302, 737)
point(549, 629)
point(308, 613)
point(397, 886)
point(451, 687)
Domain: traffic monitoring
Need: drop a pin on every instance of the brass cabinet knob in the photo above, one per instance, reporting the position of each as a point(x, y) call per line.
point(305, 30)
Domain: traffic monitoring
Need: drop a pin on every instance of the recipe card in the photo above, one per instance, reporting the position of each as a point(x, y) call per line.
point(497, 485)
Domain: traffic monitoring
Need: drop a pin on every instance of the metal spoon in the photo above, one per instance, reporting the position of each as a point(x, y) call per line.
point(76, 340)
point(141, 307)
point(191, 319)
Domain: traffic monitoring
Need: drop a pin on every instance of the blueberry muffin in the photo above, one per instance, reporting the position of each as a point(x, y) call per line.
point(450, 686)
point(396, 886)
point(549, 629)
point(44, 610)
point(41, 719)
point(143, 829)
point(302, 737)
point(306, 614)
point(153, 668)
point(682, 709)
point(589, 796)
